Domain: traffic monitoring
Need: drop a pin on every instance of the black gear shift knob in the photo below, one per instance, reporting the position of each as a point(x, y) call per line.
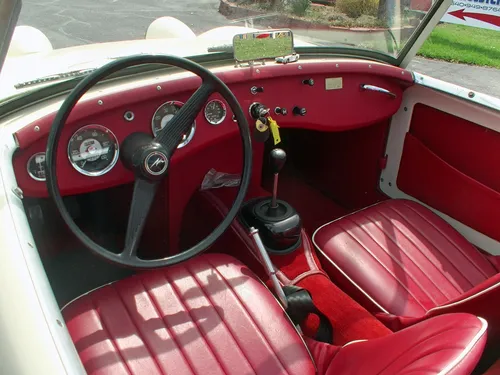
point(278, 159)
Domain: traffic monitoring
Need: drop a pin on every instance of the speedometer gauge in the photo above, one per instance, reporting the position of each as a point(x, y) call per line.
point(215, 111)
point(164, 114)
point(93, 150)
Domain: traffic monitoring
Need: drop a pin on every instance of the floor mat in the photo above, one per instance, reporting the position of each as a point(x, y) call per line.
point(76, 271)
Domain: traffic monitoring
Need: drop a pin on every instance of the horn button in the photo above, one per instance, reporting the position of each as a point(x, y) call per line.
point(145, 157)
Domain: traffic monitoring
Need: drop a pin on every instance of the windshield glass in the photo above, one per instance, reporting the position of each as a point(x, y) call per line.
point(73, 36)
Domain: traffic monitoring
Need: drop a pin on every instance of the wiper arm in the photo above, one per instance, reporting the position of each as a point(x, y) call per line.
point(55, 77)
point(221, 48)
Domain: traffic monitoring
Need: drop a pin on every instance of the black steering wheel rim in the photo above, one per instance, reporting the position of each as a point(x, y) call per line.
point(63, 114)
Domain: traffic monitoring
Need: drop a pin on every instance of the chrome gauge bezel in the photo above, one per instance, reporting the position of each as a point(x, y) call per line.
point(223, 107)
point(115, 156)
point(28, 167)
point(178, 104)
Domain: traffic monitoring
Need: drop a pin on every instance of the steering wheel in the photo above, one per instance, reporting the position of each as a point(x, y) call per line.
point(149, 159)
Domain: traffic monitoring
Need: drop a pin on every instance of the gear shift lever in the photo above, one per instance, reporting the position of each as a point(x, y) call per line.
point(278, 159)
point(273, 220)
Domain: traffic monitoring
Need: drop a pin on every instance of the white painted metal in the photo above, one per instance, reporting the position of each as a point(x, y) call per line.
point(482, 109)
point(34, 338)
point(470, 96)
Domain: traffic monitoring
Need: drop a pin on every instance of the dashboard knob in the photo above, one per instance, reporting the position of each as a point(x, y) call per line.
point(309, 82)
point(281, 111)
point(297, 111)
point(254, 90)
point(258, 110)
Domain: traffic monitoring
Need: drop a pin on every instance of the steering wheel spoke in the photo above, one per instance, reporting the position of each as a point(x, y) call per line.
point(142, 199)
point(171, 135)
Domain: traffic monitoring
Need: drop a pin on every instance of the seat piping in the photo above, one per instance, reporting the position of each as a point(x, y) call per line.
point(395, 260)
point(467, 349)
point(105, 329)
point(384, 266)
point(238, 345)
point(155, 305)
point(348, 278)
point(223, 279)
point(463, 300)
point(178, 294)
point(137, 329)
point(451, 281)
point(450, 241)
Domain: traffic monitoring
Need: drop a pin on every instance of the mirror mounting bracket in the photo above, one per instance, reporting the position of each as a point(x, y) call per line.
point(246, 64)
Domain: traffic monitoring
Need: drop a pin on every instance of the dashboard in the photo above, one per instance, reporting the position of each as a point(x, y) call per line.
point(327, 95)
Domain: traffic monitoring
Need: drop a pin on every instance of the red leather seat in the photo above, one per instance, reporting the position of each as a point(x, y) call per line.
point(211, 315)
point(405, 263)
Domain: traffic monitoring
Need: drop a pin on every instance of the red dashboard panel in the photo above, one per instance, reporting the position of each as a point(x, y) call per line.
point(343, 106)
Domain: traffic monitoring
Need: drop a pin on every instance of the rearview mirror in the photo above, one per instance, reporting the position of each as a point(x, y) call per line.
point(263, 45)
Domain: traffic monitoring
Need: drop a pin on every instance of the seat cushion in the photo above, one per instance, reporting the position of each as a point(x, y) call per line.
point(210, 315)
point(400, 257)
point(449, 344)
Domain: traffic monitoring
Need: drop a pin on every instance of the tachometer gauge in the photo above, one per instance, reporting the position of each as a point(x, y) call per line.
point(93, 150)
point(164, 114)
point(36, 166)
point(215, 111)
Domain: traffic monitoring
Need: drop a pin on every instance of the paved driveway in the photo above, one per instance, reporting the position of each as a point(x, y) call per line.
point(476, 78)
point(65, 22)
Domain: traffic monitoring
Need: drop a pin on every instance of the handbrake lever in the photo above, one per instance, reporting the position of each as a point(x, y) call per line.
point(269, 267)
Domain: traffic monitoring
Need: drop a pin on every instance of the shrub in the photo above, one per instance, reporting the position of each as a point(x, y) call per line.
point(357, 8)
point(300, 7)
point(368, 21)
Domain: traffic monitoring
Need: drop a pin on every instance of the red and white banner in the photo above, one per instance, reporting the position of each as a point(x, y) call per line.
point(476, 13)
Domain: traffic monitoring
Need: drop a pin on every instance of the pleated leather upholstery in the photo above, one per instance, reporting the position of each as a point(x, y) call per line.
point(210, 315)
point(402, 257)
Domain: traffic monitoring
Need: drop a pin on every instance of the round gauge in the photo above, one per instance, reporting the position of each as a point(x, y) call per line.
point(93, 150)
point(164, 114)
point(215, 111)
point(36, 166)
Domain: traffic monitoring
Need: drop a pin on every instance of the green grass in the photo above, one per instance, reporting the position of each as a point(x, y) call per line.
point(257, 49)
point(463, 44)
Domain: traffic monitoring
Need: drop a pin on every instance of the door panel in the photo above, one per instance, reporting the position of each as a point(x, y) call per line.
point(430, 179)
point(444, 151)
point(472, 149)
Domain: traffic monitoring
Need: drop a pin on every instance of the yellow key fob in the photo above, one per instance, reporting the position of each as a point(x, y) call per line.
point(261, 133)
point(273, 125)
point(261, 126)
